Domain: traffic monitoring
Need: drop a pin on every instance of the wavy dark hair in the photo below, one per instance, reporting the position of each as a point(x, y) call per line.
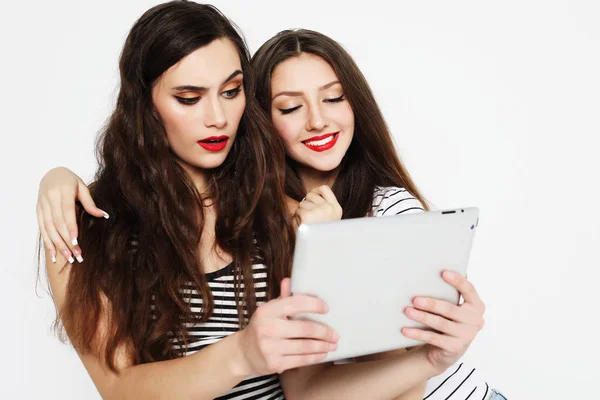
point(371, 159)
point(139, 261)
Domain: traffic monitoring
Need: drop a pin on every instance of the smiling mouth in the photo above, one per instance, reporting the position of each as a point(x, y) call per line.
point(322, 143)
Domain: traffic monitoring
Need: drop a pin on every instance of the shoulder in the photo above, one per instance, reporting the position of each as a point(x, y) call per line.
point(393, 201)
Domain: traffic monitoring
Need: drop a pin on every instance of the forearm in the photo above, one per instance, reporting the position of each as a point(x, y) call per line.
point(206, 374)
point(382, 379)
point(416, 393)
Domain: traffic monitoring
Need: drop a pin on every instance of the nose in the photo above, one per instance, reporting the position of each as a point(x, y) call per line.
point(316, 121)
point(215, 117)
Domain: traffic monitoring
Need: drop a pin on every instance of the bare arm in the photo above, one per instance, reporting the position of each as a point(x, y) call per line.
point(417, 392)
point(271, 343)
point(386, 378)
point(183, 378)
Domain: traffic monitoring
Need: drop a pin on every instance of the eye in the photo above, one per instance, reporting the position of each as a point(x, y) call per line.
point(285, 111)
point(230, 94)
point(188, 101)
point(336, 100)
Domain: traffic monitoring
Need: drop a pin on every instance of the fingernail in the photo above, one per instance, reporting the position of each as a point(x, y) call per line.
point(74, 239)
point(53, 257)
point(333, 346)
point(336, 336)
point(68, 256)
point(106, 216)
point(77, 253)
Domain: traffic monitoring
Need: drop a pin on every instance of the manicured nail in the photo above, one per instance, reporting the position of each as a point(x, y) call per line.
point(77, 254)
point(106, 216)
point(53, 257)
point(74, 239)
point(68, 256)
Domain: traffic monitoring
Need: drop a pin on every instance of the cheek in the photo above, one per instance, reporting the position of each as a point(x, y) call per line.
point(174, 117)
point(236, 109)
point(287, 128)
point(347, 118)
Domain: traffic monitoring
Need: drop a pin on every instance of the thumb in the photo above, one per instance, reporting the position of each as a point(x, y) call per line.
point(85, 198)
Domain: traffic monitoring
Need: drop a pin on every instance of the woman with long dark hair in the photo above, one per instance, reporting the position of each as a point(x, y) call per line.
point(197, 234)
point(336, 137)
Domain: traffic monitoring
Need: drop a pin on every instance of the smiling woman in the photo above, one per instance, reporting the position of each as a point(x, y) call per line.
point(311, 121)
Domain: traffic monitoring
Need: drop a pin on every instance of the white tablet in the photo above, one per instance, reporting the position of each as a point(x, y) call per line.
point(368, 270)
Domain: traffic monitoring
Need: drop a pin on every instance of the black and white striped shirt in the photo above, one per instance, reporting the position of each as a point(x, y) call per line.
point(460, 381)
point(223, 322)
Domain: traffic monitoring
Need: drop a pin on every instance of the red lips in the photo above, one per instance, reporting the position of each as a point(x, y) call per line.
point(214, 143)
point(323, 142)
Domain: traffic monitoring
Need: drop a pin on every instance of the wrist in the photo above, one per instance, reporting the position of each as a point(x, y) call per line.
point(422, 354)
point(239, 365)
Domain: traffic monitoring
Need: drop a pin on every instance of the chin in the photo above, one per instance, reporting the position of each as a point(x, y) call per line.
point(210, 164)
point(326, 165)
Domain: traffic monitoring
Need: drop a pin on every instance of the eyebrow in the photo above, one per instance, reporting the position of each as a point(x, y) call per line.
point(327, 86)
point(202, 88)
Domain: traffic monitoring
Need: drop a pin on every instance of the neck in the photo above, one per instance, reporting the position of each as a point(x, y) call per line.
point(312, 178)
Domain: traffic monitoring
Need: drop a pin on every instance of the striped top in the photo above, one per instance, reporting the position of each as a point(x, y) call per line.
point(460, 381)
point(223, 322)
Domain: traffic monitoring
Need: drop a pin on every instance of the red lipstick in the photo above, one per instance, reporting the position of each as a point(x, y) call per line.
point(323, 142)
point(214, 143)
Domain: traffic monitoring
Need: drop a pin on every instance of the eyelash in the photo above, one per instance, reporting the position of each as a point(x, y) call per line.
point(286, 111)
point(336, 100)
point(228, 94)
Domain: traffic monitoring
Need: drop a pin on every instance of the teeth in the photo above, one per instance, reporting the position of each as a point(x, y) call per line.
point(321, 142)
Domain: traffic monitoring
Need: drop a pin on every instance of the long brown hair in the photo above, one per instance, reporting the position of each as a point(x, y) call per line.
point(139, 261)
point(371, 159)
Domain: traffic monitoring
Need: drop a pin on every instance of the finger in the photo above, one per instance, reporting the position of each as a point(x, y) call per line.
point(294, 329)
point(306, 346)
point(446, 310)
point(70, 238)
point(444, 342)
point(285, 288)
point(314, 198)
point(306, 205)
point(466, 289)
point(436, 322)
point(68, 212)
point(289, 306)
point(327, 194)
point(86, 200)
point(301, 304)
point(45, 238)
point(57, 240)
point(291, 362)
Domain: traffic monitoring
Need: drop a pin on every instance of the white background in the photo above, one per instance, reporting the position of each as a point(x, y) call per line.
point(492, 104)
